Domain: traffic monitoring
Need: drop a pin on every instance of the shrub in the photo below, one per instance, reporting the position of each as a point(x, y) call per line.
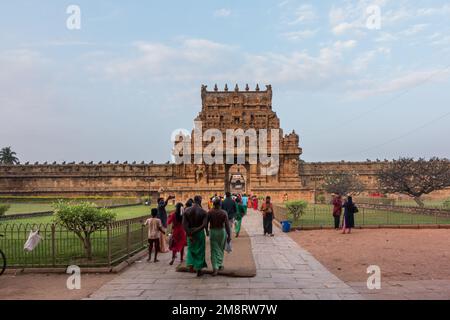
point(447, 204)
point(83, 219)
point(4, 208)
point(321, 199)
point(296, 209)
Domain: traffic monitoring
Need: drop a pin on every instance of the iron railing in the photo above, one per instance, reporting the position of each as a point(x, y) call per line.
point(320, 216)
point(60, 247)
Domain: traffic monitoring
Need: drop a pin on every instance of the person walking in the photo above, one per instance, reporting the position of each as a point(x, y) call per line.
point(162, 215)
point(337, 210)
point(240, 213)
point(267, 210)
point(178, 233)
point(219, 232)
point(255, 203)
point(245, 202)
point(349, 215)
point(195, 223)
point(155, 228)
point(230, 207)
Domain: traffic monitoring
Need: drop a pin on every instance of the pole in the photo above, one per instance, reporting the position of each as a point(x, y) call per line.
point(108, 236)
point(53, 228)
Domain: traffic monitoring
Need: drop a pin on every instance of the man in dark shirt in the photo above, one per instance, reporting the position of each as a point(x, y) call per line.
point(195, 222)
point(230, 207)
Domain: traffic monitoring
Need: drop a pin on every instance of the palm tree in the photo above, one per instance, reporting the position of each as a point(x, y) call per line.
point(7, 156)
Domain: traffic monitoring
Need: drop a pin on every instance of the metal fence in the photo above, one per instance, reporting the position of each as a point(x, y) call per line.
point(60, 247)
point(320, 216)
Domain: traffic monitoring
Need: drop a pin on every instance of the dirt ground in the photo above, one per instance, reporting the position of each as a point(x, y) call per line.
point(401, 254)
point(48, 286)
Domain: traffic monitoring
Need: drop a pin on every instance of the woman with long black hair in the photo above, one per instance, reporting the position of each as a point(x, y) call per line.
point(178, 240)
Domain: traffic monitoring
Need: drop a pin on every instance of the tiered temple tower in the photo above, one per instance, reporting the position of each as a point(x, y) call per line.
point(248, 109)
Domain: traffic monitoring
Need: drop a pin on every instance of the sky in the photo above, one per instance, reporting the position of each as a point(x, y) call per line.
point(357, 80)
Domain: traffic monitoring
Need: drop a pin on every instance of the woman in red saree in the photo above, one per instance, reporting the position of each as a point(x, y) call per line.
point(178, 241)
point(255, 203)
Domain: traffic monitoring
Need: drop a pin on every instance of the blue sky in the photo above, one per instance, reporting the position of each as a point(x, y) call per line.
point(117, 88)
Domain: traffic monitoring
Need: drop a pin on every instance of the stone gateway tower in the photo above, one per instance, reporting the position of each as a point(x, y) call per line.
point(241, 110)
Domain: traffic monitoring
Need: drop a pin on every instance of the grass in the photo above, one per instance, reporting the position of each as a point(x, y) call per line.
point(68, 248)
point(122, 214)
point(16, 208)
point(321, 215)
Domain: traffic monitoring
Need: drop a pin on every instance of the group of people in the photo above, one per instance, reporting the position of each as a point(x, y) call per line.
point(191, 224)
point(349, 207)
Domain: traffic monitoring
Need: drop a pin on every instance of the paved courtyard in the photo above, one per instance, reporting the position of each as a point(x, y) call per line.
point(284, 271)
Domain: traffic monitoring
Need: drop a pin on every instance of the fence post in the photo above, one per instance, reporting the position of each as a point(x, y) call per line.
point(314, 219)
point(53, 228)
point(364, 216)
point(108, 236)
point(435, 218)
point(387, 217)
point(142, 233)
point(128, 238)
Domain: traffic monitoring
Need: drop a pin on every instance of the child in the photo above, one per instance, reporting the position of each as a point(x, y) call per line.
point(154, 232)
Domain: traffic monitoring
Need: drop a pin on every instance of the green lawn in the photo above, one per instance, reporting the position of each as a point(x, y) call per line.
point(321, 215)
point(16, 208)
point(122, 214)
point(68, 248)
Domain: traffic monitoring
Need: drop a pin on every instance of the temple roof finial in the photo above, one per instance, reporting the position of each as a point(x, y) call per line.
point(257, 87)
point(236, 88)
point(226, 87)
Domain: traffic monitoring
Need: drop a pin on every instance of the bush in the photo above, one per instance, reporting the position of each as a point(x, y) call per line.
point(447, 204)
point(296, 209)
point(4, 208)
point(83, 219)
point(321, 199)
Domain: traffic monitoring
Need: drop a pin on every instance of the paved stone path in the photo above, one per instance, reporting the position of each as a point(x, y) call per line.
point(284, 271)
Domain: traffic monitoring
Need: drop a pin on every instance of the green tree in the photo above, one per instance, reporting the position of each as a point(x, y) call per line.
point(7, 156)
point(83, 219)
point(3, 209)
point(343, 184)
point(415, 177)
point(296, 209)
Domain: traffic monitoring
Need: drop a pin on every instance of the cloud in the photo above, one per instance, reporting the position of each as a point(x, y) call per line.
point(203, 61)
point(299, 35)
point(413, 30)
point(223, 12)
point(401, 82)
point(303, 14)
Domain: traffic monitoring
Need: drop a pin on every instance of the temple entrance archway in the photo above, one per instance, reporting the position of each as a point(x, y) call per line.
point(237, 178)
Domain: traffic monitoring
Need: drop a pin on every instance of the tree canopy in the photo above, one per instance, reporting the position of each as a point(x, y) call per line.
point(415, 177)
point(343, 184)
point(7, 156)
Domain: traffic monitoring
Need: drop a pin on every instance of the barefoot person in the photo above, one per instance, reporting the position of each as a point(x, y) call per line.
point(240, 213)
point(178, 234)
point(267, 210)
point(219, 229)
point(230, 207)
point(195, 223)
point(349, 215)
point(154, 232)
point(162, 215)
point(337, 210)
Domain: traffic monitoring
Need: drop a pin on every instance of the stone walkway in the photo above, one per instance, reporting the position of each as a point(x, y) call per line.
point(284, 271)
